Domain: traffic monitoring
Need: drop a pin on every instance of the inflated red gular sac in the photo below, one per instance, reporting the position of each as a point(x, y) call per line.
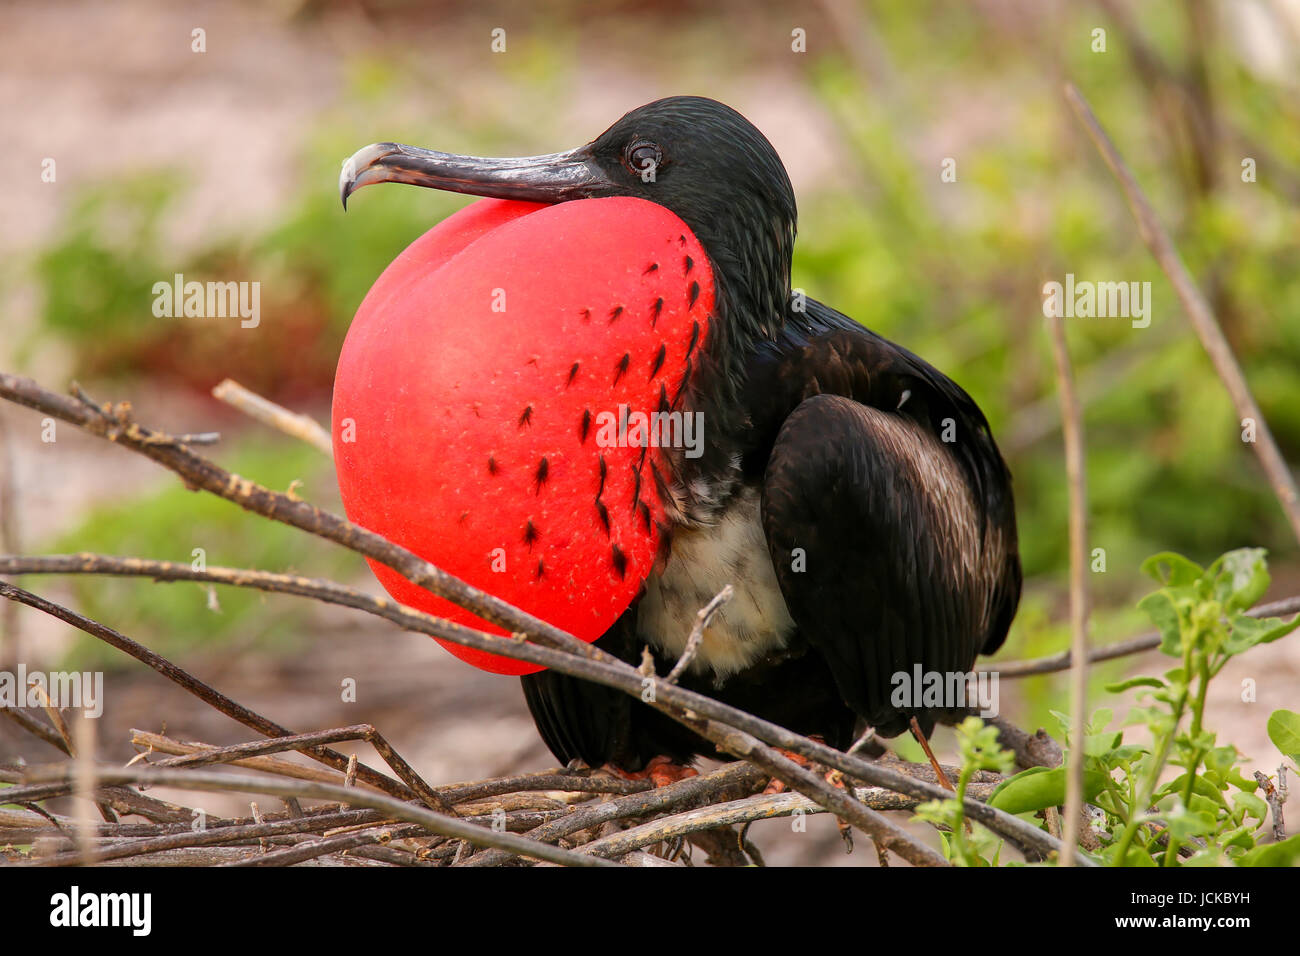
point(491, 398)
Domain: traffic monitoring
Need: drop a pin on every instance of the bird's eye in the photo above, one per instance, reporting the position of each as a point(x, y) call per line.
point(643, 158)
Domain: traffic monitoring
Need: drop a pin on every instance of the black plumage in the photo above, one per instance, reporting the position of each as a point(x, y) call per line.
point(851, 492)
point(907, 540)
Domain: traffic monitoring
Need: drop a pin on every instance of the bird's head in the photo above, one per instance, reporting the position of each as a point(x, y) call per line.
point(694, 156)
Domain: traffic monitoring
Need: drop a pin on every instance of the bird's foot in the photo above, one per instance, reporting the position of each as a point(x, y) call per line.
point(832, 776)
point(661, 771)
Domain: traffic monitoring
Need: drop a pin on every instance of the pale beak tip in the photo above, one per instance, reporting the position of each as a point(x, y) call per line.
point(347, 177)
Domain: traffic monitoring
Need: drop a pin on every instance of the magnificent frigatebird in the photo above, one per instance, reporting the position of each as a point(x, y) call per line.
point(851, 494)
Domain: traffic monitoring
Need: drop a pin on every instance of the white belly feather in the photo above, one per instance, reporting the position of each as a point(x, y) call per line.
point(733, 551)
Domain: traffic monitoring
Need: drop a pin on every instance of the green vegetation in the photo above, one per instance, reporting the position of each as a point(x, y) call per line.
point(1209, 809)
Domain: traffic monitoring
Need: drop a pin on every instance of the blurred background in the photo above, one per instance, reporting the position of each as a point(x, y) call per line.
point(223, 164)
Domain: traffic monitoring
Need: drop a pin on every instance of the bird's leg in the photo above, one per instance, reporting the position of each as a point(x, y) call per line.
point(661, 771)
point(925, 745)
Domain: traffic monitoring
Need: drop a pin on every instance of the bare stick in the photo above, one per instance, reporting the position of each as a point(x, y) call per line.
point(760, 807)
point(1198, 312)
point(9, 542)
point(213, 835)
point(403, 615)
point(735, 779)
point(1134, 645)
point(198, 754)
point(1038, 750)
point(1072, 424)
point(86, 784)
point(352, 796)
point(312, 849)
point(569, 781)
point(209, 695)
point(702, 620)
point(35, 727)
point(1275, 796)
point(56, 718)
point(303, 427)
point(882, 831)
point(783, 768)
point(263, 833)
point(192, 753)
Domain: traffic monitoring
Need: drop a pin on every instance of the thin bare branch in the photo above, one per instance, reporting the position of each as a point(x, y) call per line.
point(1076, 476)
point(760, 807)
point(309, 790)
point(192, 684)
point(35, 727)
point(302, 427)
point(702, 621)
point(194, 754)
point(1198, 312)
point(1134, 645)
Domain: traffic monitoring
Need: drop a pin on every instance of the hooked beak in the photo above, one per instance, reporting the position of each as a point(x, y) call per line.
point(553, 178)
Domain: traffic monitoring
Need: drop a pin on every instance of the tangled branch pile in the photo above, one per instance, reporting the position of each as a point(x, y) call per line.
point(564, 816)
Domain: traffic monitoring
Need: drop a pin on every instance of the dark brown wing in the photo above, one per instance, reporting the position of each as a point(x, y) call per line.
point(887, 510)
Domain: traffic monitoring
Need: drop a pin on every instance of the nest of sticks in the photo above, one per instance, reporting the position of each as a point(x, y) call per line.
point(343, 812)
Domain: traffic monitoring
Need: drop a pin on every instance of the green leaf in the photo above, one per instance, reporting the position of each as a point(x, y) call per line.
point(1101, 718)
point(1249, 631)
point(1221, 759)
point(1141, 715)
point(1136, 856)
point(1184, 823)
point(1244, 578)
point(1098, 745)
point(1179, 570)
point(1207, 806)
point(1040, 787)
point(1244, 784)
point(1200, 786)
point(1250, 804)
point(1127, 753)
point(1160, 608)
point(1134, 682)
point(1286, 853)
point(1241, 838)
point(1063, 721)
point(1284, 731)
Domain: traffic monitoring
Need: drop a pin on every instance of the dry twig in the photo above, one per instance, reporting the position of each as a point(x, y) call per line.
point(1198, 312)
point(302, 427)
point(1075, 468)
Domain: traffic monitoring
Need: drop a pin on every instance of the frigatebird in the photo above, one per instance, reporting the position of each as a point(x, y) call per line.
point(851, 494)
